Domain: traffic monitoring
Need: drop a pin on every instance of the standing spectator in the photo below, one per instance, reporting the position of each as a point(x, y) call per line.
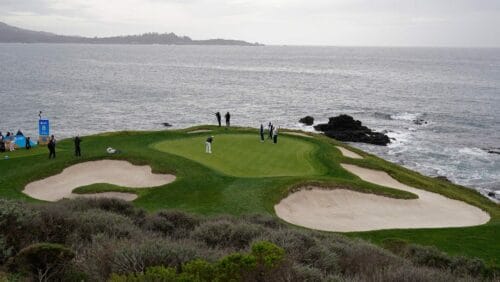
point(52, 147)
point(12, 147)
point(208, 145)
point(275, 135)
point(78, 152)
point(219, 118)
point(228, 119)
point(28, 143)
point(261, 132)
point(270, 128)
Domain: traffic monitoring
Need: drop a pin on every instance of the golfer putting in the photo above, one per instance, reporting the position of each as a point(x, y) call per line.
point(208, 145)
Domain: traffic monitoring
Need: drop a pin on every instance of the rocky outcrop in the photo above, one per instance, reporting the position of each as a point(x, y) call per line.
point(307, 120)
point(346, 128)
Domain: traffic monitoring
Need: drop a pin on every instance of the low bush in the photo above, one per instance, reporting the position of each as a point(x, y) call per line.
point(111, 236)
point(263, 263)
point(42, 261)
point(227, 234)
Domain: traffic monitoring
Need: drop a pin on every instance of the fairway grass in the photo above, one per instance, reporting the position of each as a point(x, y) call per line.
point(243, 155)
point(244, 176)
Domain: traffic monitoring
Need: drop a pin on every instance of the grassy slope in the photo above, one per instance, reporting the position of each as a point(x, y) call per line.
point(212, 191)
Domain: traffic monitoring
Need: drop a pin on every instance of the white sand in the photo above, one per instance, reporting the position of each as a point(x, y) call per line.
point(120, 173)
point(298, 134)
point(348, 153)
point(199, 131)
point(344, 210)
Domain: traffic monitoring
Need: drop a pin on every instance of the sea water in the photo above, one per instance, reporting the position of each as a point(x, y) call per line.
point(85, 89)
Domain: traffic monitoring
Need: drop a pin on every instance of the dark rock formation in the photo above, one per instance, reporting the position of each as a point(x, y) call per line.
point(419, 121)
point(442, 178)
point(494, 151)
point(345, 128)
point(307, 120)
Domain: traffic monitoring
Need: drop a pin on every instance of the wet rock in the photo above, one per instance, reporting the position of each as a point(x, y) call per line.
point(494, 151)
point(442, 178)
point(307, 120)
point(419, 121)
point(346, 128)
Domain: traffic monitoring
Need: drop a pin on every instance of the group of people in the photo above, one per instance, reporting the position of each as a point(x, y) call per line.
point(219, 119)
point(51, 145)
point(8, 142)
point(272, 133)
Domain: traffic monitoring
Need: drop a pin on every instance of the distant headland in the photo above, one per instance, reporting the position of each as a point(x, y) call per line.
point(11, 34)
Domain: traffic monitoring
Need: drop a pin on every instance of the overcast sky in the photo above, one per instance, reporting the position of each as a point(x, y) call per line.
point(293, 22)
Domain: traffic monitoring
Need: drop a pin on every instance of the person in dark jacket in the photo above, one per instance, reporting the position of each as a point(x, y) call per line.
point(228, 119)
point(219, 118)
point(78, 151)
point(261, 132)
point(28, 143)
point(270, 127)
point(52, 147)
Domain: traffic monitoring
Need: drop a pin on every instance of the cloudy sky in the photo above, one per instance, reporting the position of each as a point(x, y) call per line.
point(294, 22)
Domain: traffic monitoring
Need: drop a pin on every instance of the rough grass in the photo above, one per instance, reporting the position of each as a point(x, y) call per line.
point(104, 187)
point(207, 189)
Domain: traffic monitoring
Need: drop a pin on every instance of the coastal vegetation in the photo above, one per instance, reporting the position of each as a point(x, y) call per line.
point(210, 220)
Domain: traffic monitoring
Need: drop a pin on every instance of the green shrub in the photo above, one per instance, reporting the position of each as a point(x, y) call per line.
point(17, 230)
point(198, 270)
point(268, 254)
point(235, 266)
point(44, 261)
point(152, 274)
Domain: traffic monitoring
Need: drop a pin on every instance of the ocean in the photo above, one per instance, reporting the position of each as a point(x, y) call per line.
point(86, 89)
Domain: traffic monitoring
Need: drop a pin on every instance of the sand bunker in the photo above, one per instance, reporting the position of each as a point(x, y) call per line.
point(120, 173)
point(344, 210)
point(348, 153)
point(298, 134)
point(199, 131)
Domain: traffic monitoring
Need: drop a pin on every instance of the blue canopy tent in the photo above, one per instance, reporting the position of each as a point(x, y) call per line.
point(20, 141)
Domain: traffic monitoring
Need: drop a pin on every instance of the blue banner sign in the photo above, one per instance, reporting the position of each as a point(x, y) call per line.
point(43, 127)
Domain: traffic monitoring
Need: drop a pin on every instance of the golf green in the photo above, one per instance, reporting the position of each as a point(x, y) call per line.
point(243, 155)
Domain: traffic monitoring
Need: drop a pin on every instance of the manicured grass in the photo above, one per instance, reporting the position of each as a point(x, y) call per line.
point(104, 187)
point(243, 176)
point(244, 155)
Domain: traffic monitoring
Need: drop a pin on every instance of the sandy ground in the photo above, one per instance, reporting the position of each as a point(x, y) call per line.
point(297, 134)
point(199, 131)
point(114, 172)
point(348, 153)
point(344, 210)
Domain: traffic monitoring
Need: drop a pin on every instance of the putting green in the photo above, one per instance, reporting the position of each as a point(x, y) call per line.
point(243, 155)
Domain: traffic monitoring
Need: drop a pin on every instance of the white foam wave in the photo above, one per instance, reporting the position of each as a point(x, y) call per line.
point(406, 116)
